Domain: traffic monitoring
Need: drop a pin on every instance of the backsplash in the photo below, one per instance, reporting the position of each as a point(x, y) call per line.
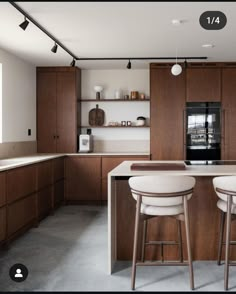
point(14, 149)
point(121, 146)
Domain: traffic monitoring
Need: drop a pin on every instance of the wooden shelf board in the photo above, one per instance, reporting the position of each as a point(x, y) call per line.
point(124, 127)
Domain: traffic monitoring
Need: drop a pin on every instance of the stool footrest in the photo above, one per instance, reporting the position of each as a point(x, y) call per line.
point(162, 243)
point(157, 263)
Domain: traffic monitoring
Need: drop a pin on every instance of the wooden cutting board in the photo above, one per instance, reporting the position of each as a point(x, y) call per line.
point(96, 116)
point(157, 166)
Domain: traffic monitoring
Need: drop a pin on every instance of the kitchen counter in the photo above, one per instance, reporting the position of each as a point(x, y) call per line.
point(204, 214)
point(13, 162)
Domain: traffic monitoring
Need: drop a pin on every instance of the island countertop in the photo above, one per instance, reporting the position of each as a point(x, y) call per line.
point(191, 170)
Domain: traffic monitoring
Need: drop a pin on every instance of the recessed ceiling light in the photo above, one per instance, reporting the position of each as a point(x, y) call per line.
point(208, 46)
point(176, 22)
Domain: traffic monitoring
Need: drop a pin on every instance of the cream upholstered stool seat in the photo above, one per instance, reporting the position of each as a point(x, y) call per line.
point(161, 195)
point(225, 188)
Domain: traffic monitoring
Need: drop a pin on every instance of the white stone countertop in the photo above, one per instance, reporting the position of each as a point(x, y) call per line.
point(123, 169)
point(13, 162)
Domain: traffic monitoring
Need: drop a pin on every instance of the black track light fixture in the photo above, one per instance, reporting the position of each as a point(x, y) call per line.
point(24, 24)
point(72, 62)
point(185, 64)
point(54, 48)
point(129, 65)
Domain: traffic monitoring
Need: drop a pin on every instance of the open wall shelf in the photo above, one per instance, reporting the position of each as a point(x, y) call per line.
point(113, 100)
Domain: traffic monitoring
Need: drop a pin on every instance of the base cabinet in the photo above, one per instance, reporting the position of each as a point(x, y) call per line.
point(2, 223)
point(109, 163)
point(20, 214)
point(83, 178)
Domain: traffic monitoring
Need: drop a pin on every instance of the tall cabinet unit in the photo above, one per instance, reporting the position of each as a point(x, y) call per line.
point(167, 111)
point(58, 89)
point(229, 113)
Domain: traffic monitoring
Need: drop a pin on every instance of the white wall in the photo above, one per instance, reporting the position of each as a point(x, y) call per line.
point(126, 81)
point(18, 98)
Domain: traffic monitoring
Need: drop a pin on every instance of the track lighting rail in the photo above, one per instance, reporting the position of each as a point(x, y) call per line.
point(75, 58)
point(43, 30)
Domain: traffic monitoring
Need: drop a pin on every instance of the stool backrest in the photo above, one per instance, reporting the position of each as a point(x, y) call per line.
point(162, 190)
point(224, 186)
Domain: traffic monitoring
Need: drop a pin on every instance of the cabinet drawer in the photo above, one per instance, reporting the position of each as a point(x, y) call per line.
point(45, 201)
point(21, 213)
point(21, 182)
point(44, 174)
point(58, 192)
point(58, 169)
point(2, 189)
point(2, 223)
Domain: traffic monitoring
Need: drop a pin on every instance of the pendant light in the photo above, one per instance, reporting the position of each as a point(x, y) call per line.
point(176, 68)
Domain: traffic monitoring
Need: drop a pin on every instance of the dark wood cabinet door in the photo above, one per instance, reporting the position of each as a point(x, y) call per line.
point(2, 189)
point(66, 112)
point(167, 114)
point(58, 193)
point(58, 169)
point(229, 113)
point(109, 163)
point(21, 182)
point(203, 84)
point(3, 219)
point(83, 178)
point(20, 214)
point(46, 111)
point(45, 202)
point(45, 174)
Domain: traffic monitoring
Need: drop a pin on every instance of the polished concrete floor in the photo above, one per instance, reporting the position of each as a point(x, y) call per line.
point(68, 252)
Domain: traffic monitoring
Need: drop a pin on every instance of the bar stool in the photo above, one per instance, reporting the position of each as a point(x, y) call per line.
point(161, 196)
point(225, 188)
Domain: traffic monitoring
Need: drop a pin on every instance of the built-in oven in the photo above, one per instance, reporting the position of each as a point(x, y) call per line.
point(203, 131)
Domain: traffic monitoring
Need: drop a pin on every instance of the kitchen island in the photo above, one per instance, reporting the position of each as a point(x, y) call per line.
point(204, 214)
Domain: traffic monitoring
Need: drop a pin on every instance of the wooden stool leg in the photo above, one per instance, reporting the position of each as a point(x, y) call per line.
point(186, 217)
point(135, 247)
point(228, 223)
point(144, 239)
point(222, 224)
point(180, 241)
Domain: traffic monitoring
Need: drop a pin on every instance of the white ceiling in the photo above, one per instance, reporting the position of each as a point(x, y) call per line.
point(116, 29)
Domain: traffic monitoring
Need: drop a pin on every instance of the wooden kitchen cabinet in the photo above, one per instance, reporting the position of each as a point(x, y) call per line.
point(109, 163)
point(45, 188)
point(167, 113)
point(2, 206)
point(59, 182)
point(83, 178)
point(203, 84)
point(2, 189)
point(3, 219)
point(229, 113)
point(21, 186)
point(58, 89)
point(20, 214)
point(21, 182)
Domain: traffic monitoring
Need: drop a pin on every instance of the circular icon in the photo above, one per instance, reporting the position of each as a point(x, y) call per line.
point(18, 272)
point(213, 20)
